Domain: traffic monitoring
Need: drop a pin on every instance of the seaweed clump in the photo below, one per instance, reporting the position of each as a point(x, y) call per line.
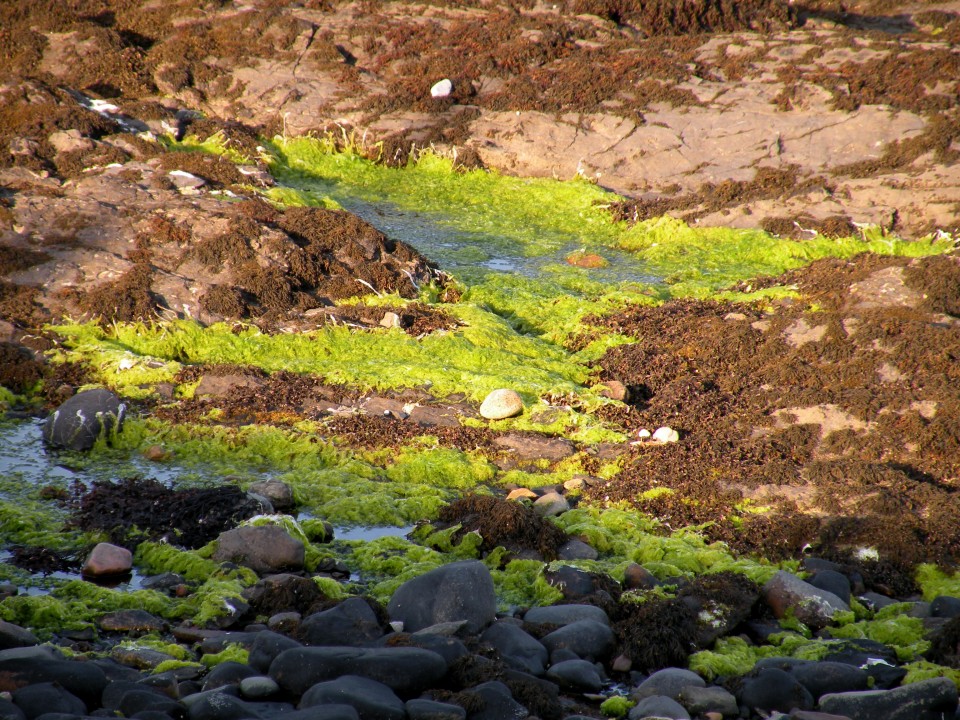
point(502, 522)
point(137, 509)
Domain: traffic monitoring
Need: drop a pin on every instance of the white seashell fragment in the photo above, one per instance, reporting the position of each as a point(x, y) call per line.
point(643, 434)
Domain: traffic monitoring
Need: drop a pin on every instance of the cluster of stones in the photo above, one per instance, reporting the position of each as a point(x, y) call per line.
point(441, 628)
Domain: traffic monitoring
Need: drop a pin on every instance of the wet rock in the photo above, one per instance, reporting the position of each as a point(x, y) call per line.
point(405, 670)
point(575, 583)
point(497, 703)
point(702, 700)
point(266, 646)
point(139, 658)
point(670, 682)
point(565, 614)
point(528, 446)
point(517, 647)
point(833, 582)
point(927, 699)
point(228, 674)
point(810, 605)
point(221, 706)
point(14, 636)
point(658, 706)
point(106, 560)
point(577, 550)
point(79, 421)
point(371, 699)
point(587, 639)
point(500, 404)
point(276, 491)
point(283, 592)
point(458, 591)
point(420, 709)
point(352, 622)
point(944, 606)
point(576, 675)
point(263, 549)
point(774, 689)
point(133, 622)
point(824, 677)
point(285, 622)
point(137, 700)
point(551, 504)
point(47, 697)
point(638, 577)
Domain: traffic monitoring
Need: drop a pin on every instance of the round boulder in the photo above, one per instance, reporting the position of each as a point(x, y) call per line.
point(262, 548)
point(458, 591)
point(81, 420)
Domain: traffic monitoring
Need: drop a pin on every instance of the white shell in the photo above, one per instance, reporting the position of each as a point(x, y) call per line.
point(643, 434)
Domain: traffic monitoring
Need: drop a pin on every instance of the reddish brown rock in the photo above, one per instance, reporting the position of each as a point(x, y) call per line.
point(106, 560)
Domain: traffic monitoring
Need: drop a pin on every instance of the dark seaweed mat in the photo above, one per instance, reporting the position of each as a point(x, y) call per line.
point(137, 509)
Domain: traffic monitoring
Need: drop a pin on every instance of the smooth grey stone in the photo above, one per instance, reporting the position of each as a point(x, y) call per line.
point(458, 591)
point(44, 652)
point(352, 622)
point(9, 711)
point(264, 549)
point(833, 582)
point(266, 646)
point(773, 689)
point(81, 420)
point(194, 698)
point(577, 550)
point(405, 670)
point(14, 636)
point(668, 682)
point(876, 601)
point(336, 711)
point(221, 706)
point(944, 606)
point(372, 699)
point(83, 679)
point(227, 673)
point(47, 697)
point(258, 686)
point(924, 700)
point(577, 675)
point(565, 614)
point(517, 647)
point(658, 706)
point(588, 639)
point(701, 700)
point(785, 592)
point(139, 699)
point(825, 677)
point(420, 709)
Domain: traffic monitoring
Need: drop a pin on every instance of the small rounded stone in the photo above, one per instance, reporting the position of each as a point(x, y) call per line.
point(500, 404)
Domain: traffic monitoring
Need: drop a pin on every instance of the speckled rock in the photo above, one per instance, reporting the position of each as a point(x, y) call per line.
point(81, 420)
point(500, 404)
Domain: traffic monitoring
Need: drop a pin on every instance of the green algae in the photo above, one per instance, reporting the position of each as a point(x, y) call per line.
point(934, 582)
point(920, 670)
point(154, 642)
point(616, 706)
point(733, 656)
point(902, 633)
point(156, 558)
point(172, 665)
point(522, 583)
point(76, 604)
point(233, 652)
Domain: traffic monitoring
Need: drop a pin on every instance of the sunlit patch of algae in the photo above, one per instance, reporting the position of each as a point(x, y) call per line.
point(515, 331)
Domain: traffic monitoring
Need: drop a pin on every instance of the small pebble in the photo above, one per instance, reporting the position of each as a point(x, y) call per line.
point(500, 404)
point(442, 89)
point(643, 434)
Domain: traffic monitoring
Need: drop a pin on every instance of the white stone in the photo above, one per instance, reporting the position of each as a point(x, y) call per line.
point(643, 434)
point(666, 435)
point(442, 88)
point(500, 404)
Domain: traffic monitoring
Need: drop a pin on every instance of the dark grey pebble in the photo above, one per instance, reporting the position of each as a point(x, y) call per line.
point(405, 670)
point(266, 646)
point(79, 421)
point(14, 636)
point(576, 675)
point(222, 706)
point(565, 614)
point(228, 673)
point(497, 703)
point(588, 639)
point(449, 648)
point(420, 709)
point(9, 711)
point(834, 582)
point(83, 679)
point(925, 700)
point(773, 689)
point(701, 700)
point(668, 681)
point(658, 706)
point(47, 697)
point(352, 622)
point(458, 591)
point(876, 601)
point(517, 647)
point(335, 711)
point(944, 606)
point(137, 700)
point(373, 700)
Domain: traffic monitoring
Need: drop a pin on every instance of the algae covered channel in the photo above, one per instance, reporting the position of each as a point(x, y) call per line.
point(531, 278)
